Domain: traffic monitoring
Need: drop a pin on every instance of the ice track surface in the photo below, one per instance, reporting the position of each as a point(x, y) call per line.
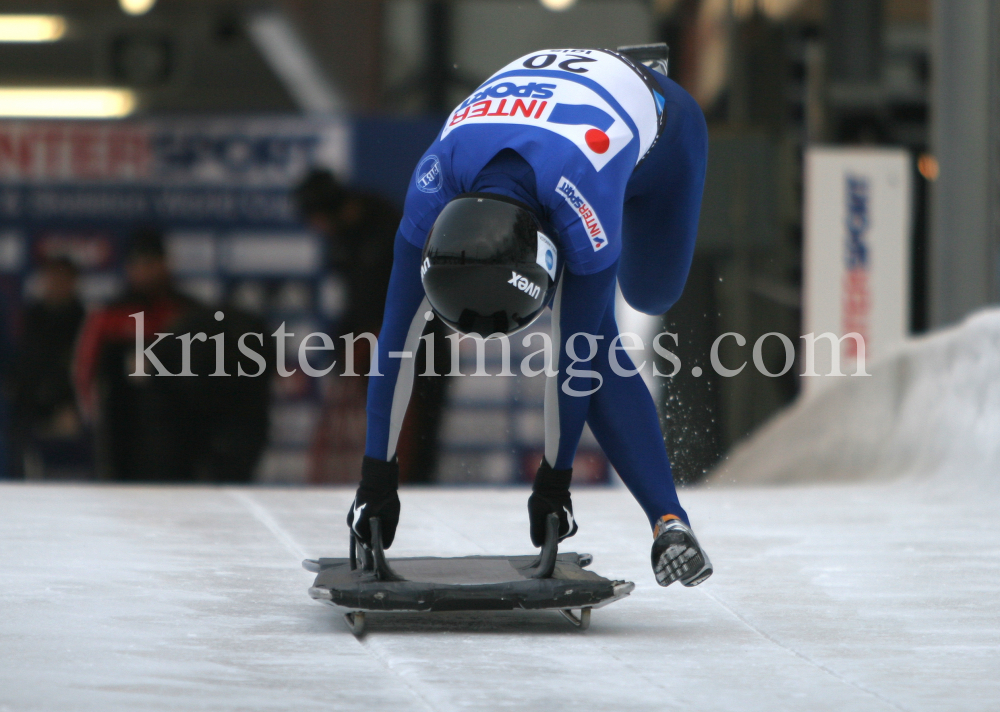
point(849, 597)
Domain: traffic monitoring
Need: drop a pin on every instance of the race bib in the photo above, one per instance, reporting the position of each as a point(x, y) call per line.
point(564, 91)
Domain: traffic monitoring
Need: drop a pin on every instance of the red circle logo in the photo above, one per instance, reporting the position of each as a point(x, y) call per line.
point(598, 141)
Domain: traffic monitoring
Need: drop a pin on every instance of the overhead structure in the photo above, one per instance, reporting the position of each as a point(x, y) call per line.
point(32, 28)
point(136, 7)
point(558, 5)
point(66, 103)
point(287, 54)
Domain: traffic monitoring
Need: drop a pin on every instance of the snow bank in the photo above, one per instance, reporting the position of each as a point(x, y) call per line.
point(931, 411)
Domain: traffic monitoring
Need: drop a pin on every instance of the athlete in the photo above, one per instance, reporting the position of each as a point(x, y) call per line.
point(564, 174)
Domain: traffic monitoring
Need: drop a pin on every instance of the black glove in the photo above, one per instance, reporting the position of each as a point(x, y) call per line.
point(550, 494)
point(376, 497)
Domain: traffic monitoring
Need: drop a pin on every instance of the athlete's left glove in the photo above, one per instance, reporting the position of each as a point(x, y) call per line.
point(377, 496)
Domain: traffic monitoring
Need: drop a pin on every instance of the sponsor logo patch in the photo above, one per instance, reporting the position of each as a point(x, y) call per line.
point(574, 198)
point(429, 175)
point(546, 255)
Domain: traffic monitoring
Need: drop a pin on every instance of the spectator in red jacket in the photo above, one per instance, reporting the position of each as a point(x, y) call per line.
point(125, 411)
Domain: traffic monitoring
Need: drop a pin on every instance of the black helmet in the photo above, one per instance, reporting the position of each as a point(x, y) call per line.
point(487, 267)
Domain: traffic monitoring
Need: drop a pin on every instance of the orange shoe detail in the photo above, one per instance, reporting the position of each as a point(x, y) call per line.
point(663, 520)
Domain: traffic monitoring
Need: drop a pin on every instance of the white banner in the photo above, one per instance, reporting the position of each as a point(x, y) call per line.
point(857, 256)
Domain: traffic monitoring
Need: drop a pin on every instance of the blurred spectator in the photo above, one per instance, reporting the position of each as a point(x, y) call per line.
point(130, 437)
point(168, 429)
point(360, 230)
point(45, 418)
point(217, 424)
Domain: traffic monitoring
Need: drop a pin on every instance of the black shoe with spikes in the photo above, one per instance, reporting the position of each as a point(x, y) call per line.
point(676, 554)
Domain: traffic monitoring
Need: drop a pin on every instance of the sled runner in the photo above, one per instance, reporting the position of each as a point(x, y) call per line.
point(367, 582)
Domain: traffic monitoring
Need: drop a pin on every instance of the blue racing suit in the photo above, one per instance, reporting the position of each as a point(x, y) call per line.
point(611, 157)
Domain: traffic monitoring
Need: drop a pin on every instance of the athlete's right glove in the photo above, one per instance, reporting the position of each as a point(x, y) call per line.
point(377, 496)
point(550, 494)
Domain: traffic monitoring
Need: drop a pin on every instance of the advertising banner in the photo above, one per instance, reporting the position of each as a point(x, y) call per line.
point(858, 215)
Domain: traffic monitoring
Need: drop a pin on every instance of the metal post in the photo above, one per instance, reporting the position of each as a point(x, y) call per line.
point(439, 68)
point(965, 137)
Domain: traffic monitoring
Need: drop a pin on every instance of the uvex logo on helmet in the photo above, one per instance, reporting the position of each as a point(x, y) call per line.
point(524, 284)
